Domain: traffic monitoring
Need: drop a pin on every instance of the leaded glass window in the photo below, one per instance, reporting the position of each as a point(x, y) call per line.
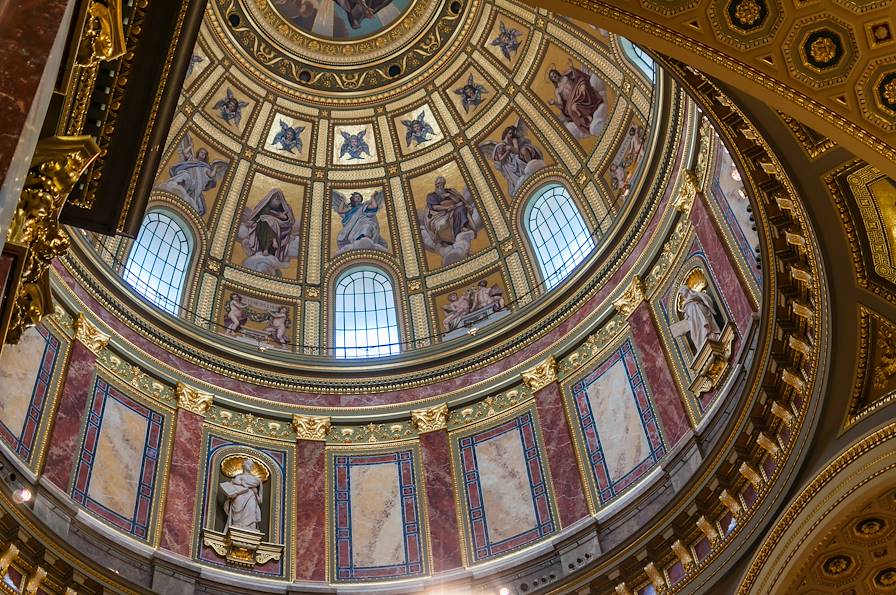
point(365, 320)
point(558, 234)
point(157, 264)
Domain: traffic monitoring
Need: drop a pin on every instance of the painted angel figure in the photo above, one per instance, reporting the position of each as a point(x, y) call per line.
point(507, 39)
point(194, 60)
point(236, 314)
point(190, 178)
point(230, 108)
point(289, 137)
point(360, 228)
point(457, 307)
point(354, 145)
point(471, 94)
point(278, 323)
point(625, 164)
point(580, 95)
point(418, 130)
point(514, 155)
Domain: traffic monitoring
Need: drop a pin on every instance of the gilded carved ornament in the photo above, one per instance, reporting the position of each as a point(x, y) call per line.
point(35, 581)
point(430, 420)
point(57, 164)
point(541, 375)
point(12, 550)
point(311, 427)
point(103, 36)
point(192, 399)
point(687, 192)
point(631, 298)
point(88, 334)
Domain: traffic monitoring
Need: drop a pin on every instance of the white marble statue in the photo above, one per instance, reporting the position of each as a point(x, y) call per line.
point(699, 314)
point(243, 499)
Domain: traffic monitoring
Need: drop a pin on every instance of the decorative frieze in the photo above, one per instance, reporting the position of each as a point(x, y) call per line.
point(631, 298)
point(88, 334)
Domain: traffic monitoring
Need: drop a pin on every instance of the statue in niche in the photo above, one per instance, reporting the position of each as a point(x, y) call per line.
point(243, 496)
point(699, 311)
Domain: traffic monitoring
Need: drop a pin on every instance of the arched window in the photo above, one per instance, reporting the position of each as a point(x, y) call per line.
point(366, 323)
point(157, 264)
point(558, 234)
point(639, 57)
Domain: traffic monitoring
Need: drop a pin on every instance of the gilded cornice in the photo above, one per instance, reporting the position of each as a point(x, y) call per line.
point(541, 375)
point(89, 335)
point(311, 427)
point(192, 399)
point(430, 420)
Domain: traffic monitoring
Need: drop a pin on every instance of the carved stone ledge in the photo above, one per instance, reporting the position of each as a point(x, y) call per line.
point(242, 547)
point(541, 375)
point(712, 361)
point(430, 420)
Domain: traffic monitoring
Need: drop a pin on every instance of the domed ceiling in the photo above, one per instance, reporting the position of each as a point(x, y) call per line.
point(371, 116)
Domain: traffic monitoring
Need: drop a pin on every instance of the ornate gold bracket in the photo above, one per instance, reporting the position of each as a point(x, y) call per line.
point(242, 547)
point(631, 298)
point(711, 362)
point(192, 399)
point(311, 427)
point(430, 420)
point(57, 164)
point(541, 375)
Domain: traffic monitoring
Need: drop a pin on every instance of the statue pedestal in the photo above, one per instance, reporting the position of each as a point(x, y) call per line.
point(242, 547)
point(711, 362)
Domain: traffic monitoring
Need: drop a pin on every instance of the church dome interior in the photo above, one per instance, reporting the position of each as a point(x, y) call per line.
point(450, 296)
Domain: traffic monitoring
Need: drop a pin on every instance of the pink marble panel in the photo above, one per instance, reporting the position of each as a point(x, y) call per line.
point(446, 552)
point(64, 437)
point(183, 478)
point(722, 265)
point(561, 456)
point(666, 398)
point(311, 505)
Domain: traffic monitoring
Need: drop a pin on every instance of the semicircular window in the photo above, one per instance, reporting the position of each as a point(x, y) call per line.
point(365, 320)
point(157, 264)
point(559, 236)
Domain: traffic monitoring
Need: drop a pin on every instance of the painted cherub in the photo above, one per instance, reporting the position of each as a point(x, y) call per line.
point(289, 137)
point(354, 145)
point(230, 108)
point(418, 129)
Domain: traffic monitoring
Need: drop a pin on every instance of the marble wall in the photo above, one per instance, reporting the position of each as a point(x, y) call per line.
point(506, 500)
point(117, 471)
point(376, 531)
point(617, 429)
point(29, 376)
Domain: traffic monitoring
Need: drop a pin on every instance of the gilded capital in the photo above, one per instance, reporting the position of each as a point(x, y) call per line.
point(311, 427)
point(192, 399)
point(687, 192)
point(541, 375)
point(631, 298)
point(87, 333)
point(430, 420)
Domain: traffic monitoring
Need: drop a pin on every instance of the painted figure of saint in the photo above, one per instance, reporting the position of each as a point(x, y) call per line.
point(484, 296)
point(457, 307)
point(449, 222)
point(289, 138)
point(515, 156)
point(266, 233)
point(508, 40)
point(580, 97)
point(243, 499)
point(360, 228)
point(230, 108)
point(354, 145)
point(194, 175)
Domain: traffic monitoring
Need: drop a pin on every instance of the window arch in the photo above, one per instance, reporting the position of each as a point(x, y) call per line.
point(558, 234)
point(157, 264)
point(366, 324)
point(639, 57)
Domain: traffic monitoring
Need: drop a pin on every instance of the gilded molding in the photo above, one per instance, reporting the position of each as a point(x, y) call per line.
point(192, 399)
point(311, 427)
point(541, 375)
point(430, 420)
point(88, 334)
point(8, 556)
point(687, 192)
point(631, 298)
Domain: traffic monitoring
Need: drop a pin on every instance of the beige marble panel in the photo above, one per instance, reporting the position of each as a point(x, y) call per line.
point(19, 366)
point(618, 422)
point(377, 535)
point(116, 469)
point(506, 493)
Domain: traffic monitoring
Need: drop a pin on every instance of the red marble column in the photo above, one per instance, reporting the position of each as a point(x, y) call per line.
point(561, 455)
point(445, 540)
point(183, 484)
point(63, 439)
point(311, 506)
point(722, 265)
point(666, 398)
